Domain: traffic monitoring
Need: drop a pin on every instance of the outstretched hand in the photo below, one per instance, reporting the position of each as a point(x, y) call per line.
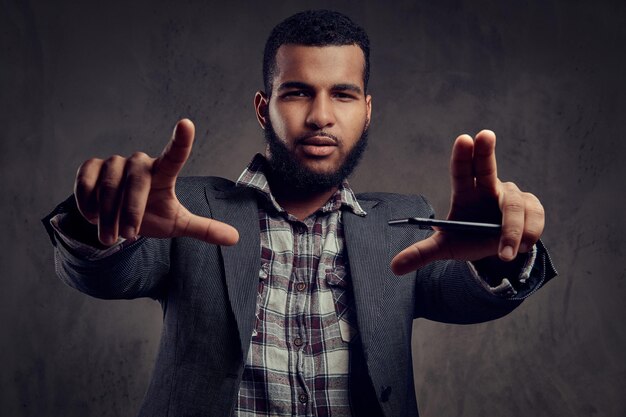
point(136, 195)
point(478, 195)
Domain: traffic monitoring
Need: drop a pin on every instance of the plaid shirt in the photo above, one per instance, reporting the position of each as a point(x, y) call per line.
point(298, 362)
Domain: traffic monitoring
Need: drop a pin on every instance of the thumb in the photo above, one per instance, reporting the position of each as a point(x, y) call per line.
point(208, 230)
point(173, 158)
point(419, 254)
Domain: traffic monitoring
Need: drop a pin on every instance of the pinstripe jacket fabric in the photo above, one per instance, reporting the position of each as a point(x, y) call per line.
point(208, 295)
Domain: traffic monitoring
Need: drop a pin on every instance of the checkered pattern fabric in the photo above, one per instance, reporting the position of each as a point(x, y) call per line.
point(298, 362)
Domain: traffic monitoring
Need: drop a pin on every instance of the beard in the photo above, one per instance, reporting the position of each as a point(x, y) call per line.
point(291, 174)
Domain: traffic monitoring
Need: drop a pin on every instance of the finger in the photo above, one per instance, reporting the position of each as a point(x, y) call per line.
point(173, 158)
point(485, 167)
point(136, 190)
point(85, 189)
point(420, 254)
point(109, 195)
point(513, 210)
point(208, 230)
point(461, 167)
point(534, 222)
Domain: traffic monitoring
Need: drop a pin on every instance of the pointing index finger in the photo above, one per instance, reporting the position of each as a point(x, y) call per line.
point(173, 158)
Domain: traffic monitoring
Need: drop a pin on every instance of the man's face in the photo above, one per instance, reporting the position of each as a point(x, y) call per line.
point(318, 112)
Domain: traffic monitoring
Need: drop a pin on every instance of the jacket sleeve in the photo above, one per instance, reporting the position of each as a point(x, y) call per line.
point(138, 269)
point(450, 292)
point(461, 292)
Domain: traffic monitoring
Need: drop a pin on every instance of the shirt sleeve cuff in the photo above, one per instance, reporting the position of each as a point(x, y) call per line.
point(84, 250)
point(505, 288)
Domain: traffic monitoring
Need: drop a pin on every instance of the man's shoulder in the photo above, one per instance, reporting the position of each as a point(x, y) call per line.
point(194, 191)
point(204, 181)
point(396, 205)
point(392, 198)
point(216, 183)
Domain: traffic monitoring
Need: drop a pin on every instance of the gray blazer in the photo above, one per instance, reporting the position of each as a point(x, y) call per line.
point(208, 296)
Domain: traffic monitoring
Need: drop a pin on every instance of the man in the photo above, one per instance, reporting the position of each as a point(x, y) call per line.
point(277, 291)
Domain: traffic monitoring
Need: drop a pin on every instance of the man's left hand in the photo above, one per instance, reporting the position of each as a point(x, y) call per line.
point(478, 195)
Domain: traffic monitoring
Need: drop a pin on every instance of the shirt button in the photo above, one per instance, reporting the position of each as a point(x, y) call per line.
point(300, 286)
point(297, 341)
point(303, 398)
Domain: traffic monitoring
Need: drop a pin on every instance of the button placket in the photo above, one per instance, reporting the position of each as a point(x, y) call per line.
point(303, 241)
point(299, 297)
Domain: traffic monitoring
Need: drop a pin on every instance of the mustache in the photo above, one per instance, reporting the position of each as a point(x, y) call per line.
point(320, 133)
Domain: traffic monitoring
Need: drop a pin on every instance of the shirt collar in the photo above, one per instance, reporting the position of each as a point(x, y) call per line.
point(254, 177)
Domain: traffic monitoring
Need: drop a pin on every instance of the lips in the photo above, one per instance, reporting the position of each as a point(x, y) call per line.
point(318, 146)
point(318, 141)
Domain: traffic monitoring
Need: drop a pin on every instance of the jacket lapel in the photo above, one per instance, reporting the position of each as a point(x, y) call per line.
point(368, 269)
point(237, 206)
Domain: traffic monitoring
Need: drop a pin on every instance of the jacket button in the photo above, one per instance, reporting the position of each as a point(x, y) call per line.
point(385, 393)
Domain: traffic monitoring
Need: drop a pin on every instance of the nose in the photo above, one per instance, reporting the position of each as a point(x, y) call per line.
point(321, 113)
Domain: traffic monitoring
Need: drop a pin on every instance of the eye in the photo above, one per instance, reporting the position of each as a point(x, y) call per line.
point(295, 94)
point(344, 96)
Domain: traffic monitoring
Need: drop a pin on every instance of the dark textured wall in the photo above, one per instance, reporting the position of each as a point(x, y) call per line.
point(80, 80)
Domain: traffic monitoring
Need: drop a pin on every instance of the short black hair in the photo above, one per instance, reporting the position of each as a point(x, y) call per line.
point(314, 28)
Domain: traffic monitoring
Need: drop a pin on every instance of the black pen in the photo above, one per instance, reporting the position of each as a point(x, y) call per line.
point(449, 225)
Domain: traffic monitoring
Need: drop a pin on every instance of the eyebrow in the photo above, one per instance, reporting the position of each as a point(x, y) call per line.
point(336, 87)
point(348, 87)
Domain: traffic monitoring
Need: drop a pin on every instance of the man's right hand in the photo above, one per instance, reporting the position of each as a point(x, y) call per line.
point(136, 195)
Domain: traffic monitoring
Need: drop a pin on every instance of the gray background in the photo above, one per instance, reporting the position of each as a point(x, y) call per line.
point(82, 79)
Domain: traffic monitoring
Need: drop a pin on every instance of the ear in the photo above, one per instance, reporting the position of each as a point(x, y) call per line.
point(368, 103)
point(261, 106)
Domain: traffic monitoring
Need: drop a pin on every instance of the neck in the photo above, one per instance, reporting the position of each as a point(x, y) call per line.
point(300, 203)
